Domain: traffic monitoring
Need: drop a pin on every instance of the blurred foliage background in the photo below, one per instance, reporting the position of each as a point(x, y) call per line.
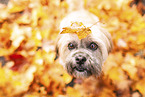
point(28, 29)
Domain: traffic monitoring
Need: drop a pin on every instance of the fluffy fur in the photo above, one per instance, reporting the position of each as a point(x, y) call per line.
point(94, 58)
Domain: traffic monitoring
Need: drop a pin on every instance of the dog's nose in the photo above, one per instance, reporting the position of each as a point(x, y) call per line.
point(80, 60)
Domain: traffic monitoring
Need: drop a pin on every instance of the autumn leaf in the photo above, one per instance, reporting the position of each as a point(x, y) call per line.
point(140, 86)
point(72, 92)
point(80, 30)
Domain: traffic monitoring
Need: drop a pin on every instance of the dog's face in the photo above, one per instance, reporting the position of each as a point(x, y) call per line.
point(83, 57)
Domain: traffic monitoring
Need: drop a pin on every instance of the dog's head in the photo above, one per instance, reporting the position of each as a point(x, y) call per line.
point(84, 57)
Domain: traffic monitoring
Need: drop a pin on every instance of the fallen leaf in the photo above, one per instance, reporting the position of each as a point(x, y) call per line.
point(77, 28)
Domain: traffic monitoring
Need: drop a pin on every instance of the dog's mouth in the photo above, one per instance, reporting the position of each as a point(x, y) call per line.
point(80, 69)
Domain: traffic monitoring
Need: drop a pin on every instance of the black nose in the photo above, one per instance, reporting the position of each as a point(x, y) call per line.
point(80, 60)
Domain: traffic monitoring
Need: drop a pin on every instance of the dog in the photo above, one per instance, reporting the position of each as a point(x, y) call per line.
point(82, 57)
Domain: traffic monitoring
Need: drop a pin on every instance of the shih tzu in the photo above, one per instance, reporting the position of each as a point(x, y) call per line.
point(82, 57)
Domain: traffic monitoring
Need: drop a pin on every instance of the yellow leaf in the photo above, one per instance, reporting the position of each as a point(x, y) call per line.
point(77, 28)
point(140, 85)
point(67, 78)
point(17, 5)
point(2, 77)
point(141, 39)
point(131, 70)
point(116, 74)
point(71, 92)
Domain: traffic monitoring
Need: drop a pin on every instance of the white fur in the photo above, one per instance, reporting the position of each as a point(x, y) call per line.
point(90, 20)
point(98, 35)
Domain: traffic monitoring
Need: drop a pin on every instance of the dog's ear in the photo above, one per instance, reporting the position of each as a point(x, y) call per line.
point(109, 41)
point(57, 53)
point(57, 47)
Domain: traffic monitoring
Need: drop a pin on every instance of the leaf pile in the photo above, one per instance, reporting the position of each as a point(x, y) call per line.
point(27, 70)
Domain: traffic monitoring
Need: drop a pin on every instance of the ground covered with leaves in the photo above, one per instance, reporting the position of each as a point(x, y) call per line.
point(28, 29)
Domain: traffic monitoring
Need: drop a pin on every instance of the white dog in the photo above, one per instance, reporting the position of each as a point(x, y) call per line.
point(82, 57)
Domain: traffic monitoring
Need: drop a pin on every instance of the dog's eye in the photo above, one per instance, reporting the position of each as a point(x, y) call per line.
point(93, 46)
point(71, 46)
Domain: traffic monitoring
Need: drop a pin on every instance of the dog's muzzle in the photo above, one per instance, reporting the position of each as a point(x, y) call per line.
point(80, 65)
point(80, 61)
